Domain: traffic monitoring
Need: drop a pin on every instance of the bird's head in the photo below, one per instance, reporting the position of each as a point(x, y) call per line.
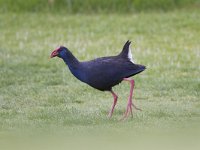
point(59, 52)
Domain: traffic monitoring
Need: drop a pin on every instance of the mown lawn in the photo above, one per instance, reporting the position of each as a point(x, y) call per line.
point(39, 93)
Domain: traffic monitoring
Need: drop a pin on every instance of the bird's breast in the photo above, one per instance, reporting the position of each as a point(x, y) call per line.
point(78, 73)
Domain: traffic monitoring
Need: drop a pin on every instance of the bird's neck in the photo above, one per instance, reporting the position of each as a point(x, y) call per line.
point(70, 59)
point(74, 66)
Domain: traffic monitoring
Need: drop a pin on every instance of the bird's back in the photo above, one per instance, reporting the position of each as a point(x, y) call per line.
point(106, 72)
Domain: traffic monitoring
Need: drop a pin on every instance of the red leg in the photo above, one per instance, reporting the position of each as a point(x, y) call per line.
point(130, 102)
point(114, 103)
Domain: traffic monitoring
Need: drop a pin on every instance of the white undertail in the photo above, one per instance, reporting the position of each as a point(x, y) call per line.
point(130, 56)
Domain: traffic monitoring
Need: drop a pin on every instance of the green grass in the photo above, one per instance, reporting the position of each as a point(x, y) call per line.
point(95, 6)
point(38, 93)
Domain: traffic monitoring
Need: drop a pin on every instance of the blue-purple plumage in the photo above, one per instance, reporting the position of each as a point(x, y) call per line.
point(102, 73)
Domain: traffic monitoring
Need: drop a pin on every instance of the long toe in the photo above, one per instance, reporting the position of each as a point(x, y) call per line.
point(136, 107)
point(126, 114)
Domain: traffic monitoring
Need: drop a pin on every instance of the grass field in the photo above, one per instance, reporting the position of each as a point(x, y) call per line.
point(39, 93)
point(95, 6)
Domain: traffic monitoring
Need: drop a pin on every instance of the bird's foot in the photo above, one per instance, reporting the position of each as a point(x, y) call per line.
point(129, 111)
point(136, 107)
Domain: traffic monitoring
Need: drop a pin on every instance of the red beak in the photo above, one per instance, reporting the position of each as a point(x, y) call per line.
point(54, 53)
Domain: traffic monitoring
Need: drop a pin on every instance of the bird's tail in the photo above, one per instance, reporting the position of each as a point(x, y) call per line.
point(125, 51)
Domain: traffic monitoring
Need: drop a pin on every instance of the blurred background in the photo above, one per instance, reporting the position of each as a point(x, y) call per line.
point(39, 95)
point(96, 6)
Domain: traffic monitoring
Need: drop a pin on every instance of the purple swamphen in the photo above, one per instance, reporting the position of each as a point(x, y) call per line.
point(105, 72)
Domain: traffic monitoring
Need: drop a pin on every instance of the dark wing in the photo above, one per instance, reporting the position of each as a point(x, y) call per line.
point(103, 73)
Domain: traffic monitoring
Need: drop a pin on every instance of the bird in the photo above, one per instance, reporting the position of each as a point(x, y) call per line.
point(105, 72)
